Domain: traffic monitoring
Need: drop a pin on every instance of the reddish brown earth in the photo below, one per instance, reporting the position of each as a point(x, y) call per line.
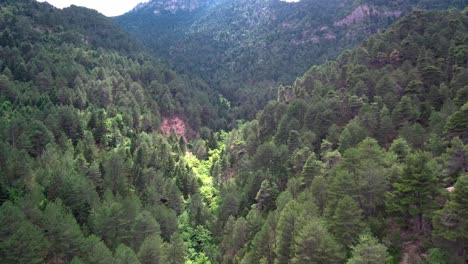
point(175, 124)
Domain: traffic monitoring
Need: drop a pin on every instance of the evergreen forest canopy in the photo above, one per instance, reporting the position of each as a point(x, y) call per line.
point(245, 48)
point(363, 159)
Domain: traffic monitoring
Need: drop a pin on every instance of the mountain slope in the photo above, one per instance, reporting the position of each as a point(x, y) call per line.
point(363, 154)
point(244, 48)
point(358, 156)
point(86, 173)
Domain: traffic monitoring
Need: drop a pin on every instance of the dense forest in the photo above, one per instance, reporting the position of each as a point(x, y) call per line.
point(85, 174)
point(245, 48)
point(363, 159)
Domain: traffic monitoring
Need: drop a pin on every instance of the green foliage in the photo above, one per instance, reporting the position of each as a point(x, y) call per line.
point(125, 255)
point(347, 221)
point(288, 223)
point(22, 242)
point(369, 251)
point(150, 251)
point(415, 190)
point(314, 244)
point(451, 221)
point(436, 256)
point(175, 250)
point(242, 52)
point(86, 175)
point(458, 123)
point(96, 251)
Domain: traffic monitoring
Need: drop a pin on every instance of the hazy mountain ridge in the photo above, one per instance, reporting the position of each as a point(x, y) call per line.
point(252, 45)
point(158, 7)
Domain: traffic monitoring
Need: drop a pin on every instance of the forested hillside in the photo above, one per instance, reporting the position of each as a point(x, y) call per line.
point(86, 175)
point(362, 160)
point(244, 48)
point(108, 156)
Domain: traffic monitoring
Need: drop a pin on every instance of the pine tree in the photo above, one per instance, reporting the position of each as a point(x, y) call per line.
point(174, 196)
point(125, 255)
point(227, 244)
point(320, 193)
point(21, 241)
point(415, 191)
point(262, 246)
point(315, 245)
point(62, 231)
point(117, 172)
point(312, 169)
point(266, 196)
point(150, 251)
point(458, 123)
point(288, 223)
point(347, 221)
point(145, 226)
point(175, 251)
point(352, 135)
point(401, 148)
point(197, 210)
point(368, 251)
point(95, 251)
point(451, 223)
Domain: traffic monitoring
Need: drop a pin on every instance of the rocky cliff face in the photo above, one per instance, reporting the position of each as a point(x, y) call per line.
point(172, 6)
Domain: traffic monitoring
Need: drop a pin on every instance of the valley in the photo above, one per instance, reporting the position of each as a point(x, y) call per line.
point(244, 131)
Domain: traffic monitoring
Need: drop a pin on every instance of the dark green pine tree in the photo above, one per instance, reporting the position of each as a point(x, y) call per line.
point(150, 251)
point(458, 123)
point(266, 196)
point(368, 251)
point(145, 226)
point(312, 169)
point(262, 246)
point(319, 191)
point(95, 251)
point(125, 255)
point(451, 223)
point(175, 251)
point(288, 223)
point(21, 241)
point(347, 221)
point(415, 191)
point(63, 232)
point(315, 245)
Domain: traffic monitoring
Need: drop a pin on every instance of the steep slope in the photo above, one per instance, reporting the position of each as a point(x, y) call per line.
point(245, 47)
point(356, 155)
point(86, 174)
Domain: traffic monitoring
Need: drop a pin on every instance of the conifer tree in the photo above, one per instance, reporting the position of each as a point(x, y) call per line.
point(150, 251)
point(319, 191)
point(95, 251)
point(315, 245)
point(288, 223)
point(347, 221)
point(144, 226)
point(451, 223)
point(415, 191)
point(175, 251)
point(125, 255)
point(22, 242)
point(312, 169)
point(368, 251)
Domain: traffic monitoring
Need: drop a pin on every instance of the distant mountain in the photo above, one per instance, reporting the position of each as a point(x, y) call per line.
point(246, 47)
point(160, 7)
